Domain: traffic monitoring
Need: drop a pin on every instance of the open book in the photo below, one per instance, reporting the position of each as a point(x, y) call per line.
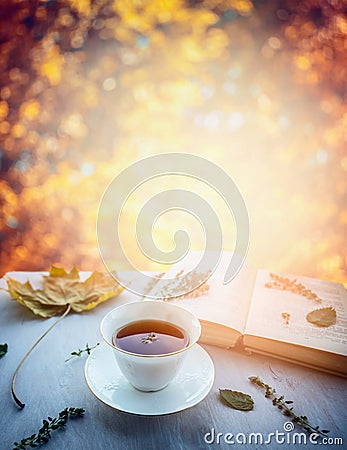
point(265, 313)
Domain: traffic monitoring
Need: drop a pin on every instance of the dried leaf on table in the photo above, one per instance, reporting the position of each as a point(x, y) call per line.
point(322, 317)
point(61, 288)
point(237, 400)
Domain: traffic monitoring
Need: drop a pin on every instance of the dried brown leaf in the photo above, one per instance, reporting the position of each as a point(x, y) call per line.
point(61, 288)
point(322, 317)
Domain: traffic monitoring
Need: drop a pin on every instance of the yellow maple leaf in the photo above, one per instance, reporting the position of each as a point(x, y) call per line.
point(61, 288)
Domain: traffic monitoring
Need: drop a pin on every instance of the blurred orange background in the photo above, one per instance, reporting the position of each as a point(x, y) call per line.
point(259, 88)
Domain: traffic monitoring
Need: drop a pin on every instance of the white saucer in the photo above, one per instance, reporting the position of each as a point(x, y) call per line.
point(190, 386)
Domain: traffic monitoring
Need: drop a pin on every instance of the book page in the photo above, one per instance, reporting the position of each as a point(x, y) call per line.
point(281, 314)
point(223, 304)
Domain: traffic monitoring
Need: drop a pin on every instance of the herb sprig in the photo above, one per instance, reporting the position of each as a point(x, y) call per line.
point(48, 426)
point(152, 337)
point(79, 351)
point(285, 284)
point(282, 405)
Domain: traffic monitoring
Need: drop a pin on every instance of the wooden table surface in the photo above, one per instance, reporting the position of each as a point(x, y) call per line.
point(47, 384)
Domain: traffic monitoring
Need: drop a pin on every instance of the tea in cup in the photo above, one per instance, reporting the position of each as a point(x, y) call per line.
point(150, 339)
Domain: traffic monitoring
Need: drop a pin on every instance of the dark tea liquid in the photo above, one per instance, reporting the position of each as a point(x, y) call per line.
point(150, 337)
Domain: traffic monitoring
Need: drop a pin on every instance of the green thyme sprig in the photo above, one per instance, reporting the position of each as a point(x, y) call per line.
point(79, 351)
point(48, 426)
point(282, 405)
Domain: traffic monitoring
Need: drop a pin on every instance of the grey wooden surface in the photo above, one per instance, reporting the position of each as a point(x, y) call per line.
point(47, 385)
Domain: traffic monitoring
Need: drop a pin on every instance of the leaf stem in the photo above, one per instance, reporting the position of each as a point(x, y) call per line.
point(14, 395)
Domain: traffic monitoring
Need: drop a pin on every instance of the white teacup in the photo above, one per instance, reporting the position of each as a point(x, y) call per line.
point(150, 372)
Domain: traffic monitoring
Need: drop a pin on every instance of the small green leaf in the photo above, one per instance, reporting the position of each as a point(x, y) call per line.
point(3, 350)
point(322, 317)
point(237, 400)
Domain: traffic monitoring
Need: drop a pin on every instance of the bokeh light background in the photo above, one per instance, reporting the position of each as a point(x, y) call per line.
point(259, 88)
